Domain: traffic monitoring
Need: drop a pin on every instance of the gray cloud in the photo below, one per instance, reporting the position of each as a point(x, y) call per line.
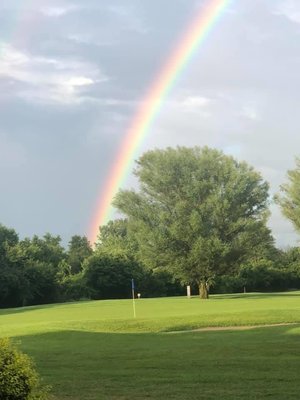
point(38, 78)
point(289, 9)
point(73, 74)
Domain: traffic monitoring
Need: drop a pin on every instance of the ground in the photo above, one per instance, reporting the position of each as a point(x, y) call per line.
point(97, 350)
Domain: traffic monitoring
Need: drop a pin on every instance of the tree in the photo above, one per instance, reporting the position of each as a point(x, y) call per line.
point(34, 267)
point(291, 257)
point(264, 275)
point(108, 276)
point(8, 238)
point(11, 276)
point(42, 286)
point(289, 199)
point(12, 286)
point(79, 249)
point(197, 212)
point(115, 238)
point(47, 249)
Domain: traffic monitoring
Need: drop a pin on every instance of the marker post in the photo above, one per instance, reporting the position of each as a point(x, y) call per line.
point(133, 298)
point(188, 291)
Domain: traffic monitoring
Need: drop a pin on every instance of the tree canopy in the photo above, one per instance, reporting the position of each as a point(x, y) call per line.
point(198, 212)
point(79, 249)
point(115, 238)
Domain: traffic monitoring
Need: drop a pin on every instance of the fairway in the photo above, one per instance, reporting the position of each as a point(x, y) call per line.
point(97, 350)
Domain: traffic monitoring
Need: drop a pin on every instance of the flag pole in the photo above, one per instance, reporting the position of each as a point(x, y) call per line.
point(133, 298)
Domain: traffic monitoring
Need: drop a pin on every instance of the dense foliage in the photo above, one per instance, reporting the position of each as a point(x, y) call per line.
point(39, 270)
point(18, 378)
point(198, 212)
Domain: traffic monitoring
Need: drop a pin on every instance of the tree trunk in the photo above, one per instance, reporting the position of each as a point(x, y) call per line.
point(203, 290)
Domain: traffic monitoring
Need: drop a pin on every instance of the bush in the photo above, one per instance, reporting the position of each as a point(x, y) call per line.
point(18, 378)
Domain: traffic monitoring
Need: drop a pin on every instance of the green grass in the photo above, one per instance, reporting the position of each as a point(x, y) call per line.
point(96, 350)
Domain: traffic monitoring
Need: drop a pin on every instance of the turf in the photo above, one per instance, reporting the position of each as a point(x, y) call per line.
point(96, 350)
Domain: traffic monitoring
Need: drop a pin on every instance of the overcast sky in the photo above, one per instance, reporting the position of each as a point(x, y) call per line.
point(72, 73)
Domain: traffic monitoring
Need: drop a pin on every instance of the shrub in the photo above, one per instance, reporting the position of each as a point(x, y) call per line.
point(18, 378)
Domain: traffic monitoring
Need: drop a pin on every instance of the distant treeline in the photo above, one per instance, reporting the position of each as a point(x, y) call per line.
point(40, 270)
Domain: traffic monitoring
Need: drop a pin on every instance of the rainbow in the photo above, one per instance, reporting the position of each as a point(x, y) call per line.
point(195, 35)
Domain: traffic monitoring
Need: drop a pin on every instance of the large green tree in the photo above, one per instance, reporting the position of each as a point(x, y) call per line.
point(289, 198)
point(198, 212)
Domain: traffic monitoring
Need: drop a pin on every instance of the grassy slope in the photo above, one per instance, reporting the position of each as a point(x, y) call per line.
point(154, 315)
point(89, 351)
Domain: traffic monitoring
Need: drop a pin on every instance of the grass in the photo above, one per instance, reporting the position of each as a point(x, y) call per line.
point(96, 350)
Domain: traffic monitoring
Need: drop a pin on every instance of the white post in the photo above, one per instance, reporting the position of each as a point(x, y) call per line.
point(188, 291)
point(133, 299)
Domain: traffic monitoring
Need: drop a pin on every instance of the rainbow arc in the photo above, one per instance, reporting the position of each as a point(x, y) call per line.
point(188, 45)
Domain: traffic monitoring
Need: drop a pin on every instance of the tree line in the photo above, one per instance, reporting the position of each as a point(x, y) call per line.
point(41, 271)
point(198, 217)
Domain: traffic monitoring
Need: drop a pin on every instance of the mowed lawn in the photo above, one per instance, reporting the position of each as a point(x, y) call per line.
point(96, 350)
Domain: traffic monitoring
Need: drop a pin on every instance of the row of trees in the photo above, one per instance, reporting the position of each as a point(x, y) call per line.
point(199, 218)
point(40, 270)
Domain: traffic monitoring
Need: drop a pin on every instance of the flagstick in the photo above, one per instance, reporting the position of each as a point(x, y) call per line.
point(133, 298)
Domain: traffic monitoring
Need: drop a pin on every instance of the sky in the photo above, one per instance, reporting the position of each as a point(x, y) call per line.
point(73, 73)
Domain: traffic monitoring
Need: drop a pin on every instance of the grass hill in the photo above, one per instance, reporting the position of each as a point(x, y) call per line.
point(96, 350)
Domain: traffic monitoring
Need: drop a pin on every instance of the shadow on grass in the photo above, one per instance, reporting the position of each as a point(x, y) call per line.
point(260, 363)
point(20, 310)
